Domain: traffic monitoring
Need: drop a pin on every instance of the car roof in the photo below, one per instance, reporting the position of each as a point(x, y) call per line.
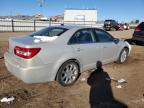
point(73, 27)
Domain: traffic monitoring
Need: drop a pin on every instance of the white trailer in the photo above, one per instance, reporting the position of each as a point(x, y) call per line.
point(80, 16)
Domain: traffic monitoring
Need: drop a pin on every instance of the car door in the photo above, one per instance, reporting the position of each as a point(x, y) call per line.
point(115, 25)
point(108, 46)
point(85, 49)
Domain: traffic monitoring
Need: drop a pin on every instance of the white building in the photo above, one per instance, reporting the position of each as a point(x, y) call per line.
point(80, 16)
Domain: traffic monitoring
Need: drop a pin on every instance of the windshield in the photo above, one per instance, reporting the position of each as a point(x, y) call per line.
point(107, 22)
point(50, 32)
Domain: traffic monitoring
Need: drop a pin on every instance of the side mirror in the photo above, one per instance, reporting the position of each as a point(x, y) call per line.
point(116, 40)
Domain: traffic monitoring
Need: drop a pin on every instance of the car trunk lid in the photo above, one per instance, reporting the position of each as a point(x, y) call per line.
point(21, 47)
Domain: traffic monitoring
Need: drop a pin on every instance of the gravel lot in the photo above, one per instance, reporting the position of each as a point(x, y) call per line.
point(89, 90)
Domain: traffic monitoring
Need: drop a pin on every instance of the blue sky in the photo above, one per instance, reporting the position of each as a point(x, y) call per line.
point(120, 10)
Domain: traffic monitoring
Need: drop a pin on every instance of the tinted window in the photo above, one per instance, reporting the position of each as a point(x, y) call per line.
point(115, 23)
point(81, 36)
point(110, 22)
point(50, 31)
point(107, 22)
point(141, 25)
point(103, 36)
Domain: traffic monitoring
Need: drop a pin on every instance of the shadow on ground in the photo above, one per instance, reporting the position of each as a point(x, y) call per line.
point(101, 95)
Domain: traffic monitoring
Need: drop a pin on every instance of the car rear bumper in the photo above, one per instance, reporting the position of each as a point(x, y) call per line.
point(138, 38)
point(30, 74)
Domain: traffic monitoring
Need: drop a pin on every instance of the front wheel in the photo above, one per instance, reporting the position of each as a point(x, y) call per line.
point(123, 56)
point(68, 73)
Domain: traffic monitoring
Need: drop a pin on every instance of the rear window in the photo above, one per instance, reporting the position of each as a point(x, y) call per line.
point(141, 25)
point(50, 32)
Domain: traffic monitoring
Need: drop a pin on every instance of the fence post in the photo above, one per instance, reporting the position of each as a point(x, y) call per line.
point(49, 21)
point(34, 25)
point(12, 22)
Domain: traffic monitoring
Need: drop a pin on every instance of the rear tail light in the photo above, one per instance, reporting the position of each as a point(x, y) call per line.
point(137, 29)
point(26, 53)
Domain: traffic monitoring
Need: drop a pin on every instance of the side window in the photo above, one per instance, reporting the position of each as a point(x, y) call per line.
point(115, 23)
point(103, 36)
point(56, 32)
point(81, 37)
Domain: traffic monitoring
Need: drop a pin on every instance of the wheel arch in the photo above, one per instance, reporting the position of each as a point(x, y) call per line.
point(127, 48)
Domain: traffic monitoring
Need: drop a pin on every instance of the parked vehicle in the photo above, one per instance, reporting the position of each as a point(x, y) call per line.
point(61, 53)
point(111, 25)
point(138, 34)
point(125, 26)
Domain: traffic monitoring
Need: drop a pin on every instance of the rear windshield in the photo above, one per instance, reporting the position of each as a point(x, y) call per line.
point(141, 25)
point(50, 32)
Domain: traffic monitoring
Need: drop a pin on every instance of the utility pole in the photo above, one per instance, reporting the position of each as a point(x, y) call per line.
point(40, 3)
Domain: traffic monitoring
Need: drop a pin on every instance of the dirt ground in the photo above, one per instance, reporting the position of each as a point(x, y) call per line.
point(90, 90)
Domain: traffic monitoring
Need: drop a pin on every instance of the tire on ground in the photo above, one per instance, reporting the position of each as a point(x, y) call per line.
point(68, 73)
point(123, 56)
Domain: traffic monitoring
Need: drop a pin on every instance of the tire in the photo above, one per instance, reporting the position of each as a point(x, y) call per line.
point(68, 73)
point(123, 56)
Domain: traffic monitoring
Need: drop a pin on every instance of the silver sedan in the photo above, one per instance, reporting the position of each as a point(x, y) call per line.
point(61, 53)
